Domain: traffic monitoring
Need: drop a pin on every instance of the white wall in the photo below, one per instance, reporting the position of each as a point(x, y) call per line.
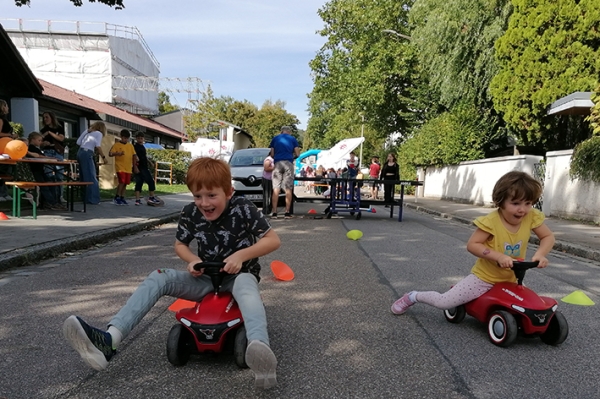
point(472, 181)
point(567, 198)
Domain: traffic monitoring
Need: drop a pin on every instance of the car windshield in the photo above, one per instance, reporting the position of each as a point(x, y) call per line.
point(249, 158)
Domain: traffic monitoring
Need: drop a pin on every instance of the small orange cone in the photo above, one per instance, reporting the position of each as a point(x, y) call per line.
point(312, 212)
point(373, 210)
point(3, 216)
point(282, 271)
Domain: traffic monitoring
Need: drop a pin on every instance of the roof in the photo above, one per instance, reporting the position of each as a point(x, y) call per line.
point(71, 97)
point(578, 103)
point(18, 80)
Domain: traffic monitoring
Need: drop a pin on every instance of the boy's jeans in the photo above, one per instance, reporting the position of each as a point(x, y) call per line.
point(181, 284)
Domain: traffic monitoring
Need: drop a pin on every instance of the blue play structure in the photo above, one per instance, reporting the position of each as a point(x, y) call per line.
point(305, 155)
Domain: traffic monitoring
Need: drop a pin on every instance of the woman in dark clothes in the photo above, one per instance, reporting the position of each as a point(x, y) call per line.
point(389, 171)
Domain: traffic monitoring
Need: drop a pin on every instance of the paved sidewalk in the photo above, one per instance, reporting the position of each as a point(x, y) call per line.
point(26, 241)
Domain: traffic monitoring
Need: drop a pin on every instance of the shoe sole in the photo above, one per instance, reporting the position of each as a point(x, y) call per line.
point(76, 336)
point(261, 360)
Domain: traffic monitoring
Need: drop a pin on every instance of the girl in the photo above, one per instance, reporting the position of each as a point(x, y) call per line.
point(89, 141)
point(389, 171)
point(500, 237)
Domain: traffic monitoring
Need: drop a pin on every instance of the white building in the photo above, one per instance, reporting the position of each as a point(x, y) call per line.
point(109, 63)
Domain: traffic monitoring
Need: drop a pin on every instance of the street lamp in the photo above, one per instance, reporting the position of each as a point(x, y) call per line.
point(400, 35)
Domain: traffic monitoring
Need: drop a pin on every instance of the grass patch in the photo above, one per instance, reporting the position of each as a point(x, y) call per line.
point(161, 189)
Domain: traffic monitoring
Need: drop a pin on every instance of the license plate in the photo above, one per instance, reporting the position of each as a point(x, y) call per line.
point(253, 196)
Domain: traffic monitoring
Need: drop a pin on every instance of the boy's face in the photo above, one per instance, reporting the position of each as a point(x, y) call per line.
point(124, 139)
point(36, 141)
point(139, 139)
point(211, 202)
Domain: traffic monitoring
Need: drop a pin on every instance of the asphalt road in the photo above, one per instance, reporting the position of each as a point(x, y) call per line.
point(330, 327)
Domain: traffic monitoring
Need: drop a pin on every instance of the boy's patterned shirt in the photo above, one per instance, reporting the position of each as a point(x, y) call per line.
point(239, 227)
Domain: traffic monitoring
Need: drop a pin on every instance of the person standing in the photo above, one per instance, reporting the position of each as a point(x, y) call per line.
point(6, 130)
point(374, 170)
point(50, 201)
point(89, 142)
point(125, 162)
point(53, 134)
point(284, 149)
point(267, 183)
point(143, 175)
point(389, 171)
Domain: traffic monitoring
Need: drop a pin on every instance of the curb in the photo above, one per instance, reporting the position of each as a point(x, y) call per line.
point(560, 246)
point(36, 253)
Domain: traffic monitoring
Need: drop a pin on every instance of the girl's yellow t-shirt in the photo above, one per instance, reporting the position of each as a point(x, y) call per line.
point(501, 240)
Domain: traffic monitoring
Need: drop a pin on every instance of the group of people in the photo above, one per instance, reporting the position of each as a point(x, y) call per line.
point(232, 230)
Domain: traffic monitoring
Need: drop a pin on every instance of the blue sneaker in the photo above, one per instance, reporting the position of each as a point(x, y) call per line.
point(154, 200)
point(123, 202)
point(117, 201)
point(93, 345)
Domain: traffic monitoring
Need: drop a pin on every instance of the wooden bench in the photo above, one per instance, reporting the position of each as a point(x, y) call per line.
point(19, 188)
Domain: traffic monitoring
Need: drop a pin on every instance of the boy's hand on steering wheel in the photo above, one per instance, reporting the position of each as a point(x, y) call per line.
point(193, 272)
point(505, 261)
point(233, 264)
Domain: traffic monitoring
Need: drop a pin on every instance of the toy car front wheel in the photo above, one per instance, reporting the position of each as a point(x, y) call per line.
point(179, 345)
point(502, 328)
point(239, 347)
point(455, 315)
point(557, 331)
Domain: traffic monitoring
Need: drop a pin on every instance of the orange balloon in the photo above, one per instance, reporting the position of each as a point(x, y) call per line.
point(16, 149)
point(3, 142)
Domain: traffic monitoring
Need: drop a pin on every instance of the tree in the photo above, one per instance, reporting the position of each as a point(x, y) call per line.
point(117, 4)
point(361, 71)
point(549, 50)
point(164, 103)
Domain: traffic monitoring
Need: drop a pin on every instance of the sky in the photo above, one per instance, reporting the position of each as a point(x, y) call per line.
point(246, 49)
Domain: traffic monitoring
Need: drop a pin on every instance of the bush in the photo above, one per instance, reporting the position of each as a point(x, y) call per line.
point(585, 162)
point(179, 159)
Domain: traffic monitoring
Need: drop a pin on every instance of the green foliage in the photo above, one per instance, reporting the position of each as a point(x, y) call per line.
point(164, 103)
point(362, 71)
point(585, 162)
point(549, 50)
point(594, 117)
point(17, 128)
point(179, 159)
point(448, 139)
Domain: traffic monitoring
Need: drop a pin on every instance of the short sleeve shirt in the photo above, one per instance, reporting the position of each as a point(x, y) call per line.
point(240, 226)
point(503, 241)
point(124, 163)
point(283, 147)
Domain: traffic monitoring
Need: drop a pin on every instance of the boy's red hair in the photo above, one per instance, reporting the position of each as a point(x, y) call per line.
point(209, 173)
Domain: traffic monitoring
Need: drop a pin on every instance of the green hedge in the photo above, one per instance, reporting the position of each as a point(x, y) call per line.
point(179, 159)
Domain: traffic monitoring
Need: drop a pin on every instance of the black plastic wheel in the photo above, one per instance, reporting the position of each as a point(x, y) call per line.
point(351, 213)
point(557, 331)
point(329, 215)
point(455, 315)
point(502, 328)
point(239, 347)
point(179, 345)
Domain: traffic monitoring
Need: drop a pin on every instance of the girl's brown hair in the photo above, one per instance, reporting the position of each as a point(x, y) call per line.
point(53, 121)
point(516, 185)
point(209, 173)
point(98, 126)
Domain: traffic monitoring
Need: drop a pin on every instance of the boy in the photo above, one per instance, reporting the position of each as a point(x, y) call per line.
point(143, 175)
point(125, 162)
point(229, 229)
point(374, 170)
point(352, 164)
point(48, 194)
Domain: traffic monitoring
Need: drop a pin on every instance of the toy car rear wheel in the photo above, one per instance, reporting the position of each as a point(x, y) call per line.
point(502, 328)
point(329, 215)
point(455, 315)
point(179, 345)
point(239, 347)
point(358, 215)
point(557, 331)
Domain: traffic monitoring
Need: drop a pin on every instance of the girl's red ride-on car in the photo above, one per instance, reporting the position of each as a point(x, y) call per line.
point(511, 308)
point(212, 325)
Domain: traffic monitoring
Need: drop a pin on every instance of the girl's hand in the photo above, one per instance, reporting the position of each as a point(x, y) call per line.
point(233, 264)
point(542, 259)
point(505, 261)
point(194, 272)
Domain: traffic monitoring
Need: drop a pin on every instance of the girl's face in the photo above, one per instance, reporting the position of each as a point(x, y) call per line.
point(46, 119)
point(3, 109)
point(211, 202)
point(390, 158)
point(513, 210)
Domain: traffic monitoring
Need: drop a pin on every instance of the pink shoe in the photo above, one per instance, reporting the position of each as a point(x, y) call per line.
point(402, 304)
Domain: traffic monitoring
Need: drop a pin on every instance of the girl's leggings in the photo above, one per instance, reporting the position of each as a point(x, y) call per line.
point(469, 288)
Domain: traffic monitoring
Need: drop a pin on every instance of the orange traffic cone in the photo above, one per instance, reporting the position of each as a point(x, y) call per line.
point(312, 212)
point(373, 210)
point(3, 216)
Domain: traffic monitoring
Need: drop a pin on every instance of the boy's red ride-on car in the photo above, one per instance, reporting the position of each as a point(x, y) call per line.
point(213, 325)
point(511, 308)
